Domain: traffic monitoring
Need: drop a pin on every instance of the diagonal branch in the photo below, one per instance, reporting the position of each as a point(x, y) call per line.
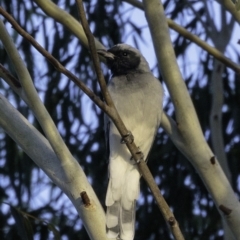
point(34, 101)
point(37, 147)
point(59, 165)
point(143, 168)
point(181, 30)
point(230, 7)
point(14, 83)
point(58, 14)
point(196, 149)
point(111, 112)
point(9, 78)
point(58, 66)
point(94, 54)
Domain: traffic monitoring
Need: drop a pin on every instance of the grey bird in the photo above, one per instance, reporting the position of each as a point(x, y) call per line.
point(138, 98)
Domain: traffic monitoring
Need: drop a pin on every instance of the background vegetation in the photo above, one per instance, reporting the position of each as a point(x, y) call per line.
point(24, 187)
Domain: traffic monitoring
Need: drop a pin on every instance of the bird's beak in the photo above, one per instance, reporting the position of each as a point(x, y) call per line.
point(107, 55)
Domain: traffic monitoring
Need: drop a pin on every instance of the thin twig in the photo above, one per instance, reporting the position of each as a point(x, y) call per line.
point(143, 168)
point(9, 78)
point(181, 30)
point(211, 50)
point(58, 66)
point(113, 114)
point(14, 83)
point(94, 54)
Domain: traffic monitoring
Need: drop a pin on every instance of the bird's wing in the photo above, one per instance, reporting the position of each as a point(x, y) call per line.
point(139, 103)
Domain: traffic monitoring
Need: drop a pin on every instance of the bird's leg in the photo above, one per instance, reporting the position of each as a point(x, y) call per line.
point(128, 138)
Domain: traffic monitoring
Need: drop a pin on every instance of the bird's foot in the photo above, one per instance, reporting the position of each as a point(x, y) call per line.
point(128, 138)
point(140, 157)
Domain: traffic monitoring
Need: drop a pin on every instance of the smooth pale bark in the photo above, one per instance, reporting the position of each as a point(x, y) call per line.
point(70, 177)
point(230, 6)
point(58, 14)
point(178, 132)
point(193, 144)
point(34, 101)
point(221, 39)
point(59, 165)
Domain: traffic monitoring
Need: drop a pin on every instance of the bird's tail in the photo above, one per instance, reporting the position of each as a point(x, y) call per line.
point(120, 217)
point(120, 222)
point(127, 221)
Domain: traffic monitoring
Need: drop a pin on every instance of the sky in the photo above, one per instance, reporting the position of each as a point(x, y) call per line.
point(43, 192)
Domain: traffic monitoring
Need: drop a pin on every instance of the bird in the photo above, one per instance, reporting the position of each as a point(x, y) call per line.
point(138, 98)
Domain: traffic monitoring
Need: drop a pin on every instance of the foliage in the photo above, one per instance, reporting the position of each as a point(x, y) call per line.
point(80, 123)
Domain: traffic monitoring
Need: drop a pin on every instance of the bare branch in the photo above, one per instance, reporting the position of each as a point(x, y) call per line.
point(181, 30)
point(143, 168)
point(40, 151)
point(64, 170)
point(52, 10)
point(196, 149)
point(58, 66)
point(112, 113)
point(94, 54)
point(229, 6)
point(14, 83)
point(33, 99)
point(9, 78)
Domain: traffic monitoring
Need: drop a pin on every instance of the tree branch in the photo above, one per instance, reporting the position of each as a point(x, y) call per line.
point(221, 41)
point(10, 79)
point(52, 10)
point(58, 66)
point(40, 151)
point(113, 115)
point(35, 103)
point(181, 30)
point(94, 54)
point(143, 168)
point(196, 149)
point(230, 7)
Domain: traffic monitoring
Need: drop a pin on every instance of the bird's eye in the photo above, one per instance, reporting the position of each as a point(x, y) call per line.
point(124, 54)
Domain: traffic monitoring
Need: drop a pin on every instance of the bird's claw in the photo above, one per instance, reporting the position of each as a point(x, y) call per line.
point(128, 138)
point(140, 157)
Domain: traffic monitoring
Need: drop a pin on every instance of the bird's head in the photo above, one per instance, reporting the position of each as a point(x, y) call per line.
point(123, 59)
